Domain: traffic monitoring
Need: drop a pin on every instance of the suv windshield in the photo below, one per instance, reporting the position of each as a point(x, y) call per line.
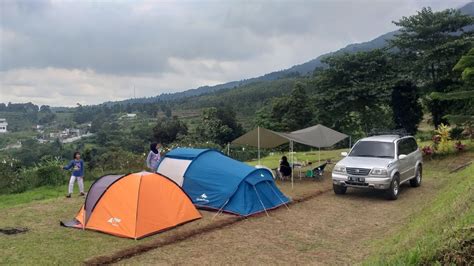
point(373, 149)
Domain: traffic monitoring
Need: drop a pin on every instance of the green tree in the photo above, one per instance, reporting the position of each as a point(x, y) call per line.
point(287, 113)
point(168, 130)
point(463, 96)
point(218, 125)
point(353, 93)
point(430, 44)
point(406, 108)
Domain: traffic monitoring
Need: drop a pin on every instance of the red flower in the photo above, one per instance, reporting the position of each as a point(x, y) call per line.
point(459, 146)
point(427, 150)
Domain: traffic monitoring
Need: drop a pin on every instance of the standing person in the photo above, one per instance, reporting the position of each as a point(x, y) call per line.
point(154, 156)
point(77, 165)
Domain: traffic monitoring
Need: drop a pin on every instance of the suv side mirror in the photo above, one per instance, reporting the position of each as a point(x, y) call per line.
point(402, 156)
point(344, 153)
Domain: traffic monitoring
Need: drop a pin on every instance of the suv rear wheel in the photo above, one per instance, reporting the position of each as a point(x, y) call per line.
point(392, 192)
point(416, 181)
point(339, 190)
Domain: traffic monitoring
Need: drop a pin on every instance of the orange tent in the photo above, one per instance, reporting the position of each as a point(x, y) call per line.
point(134, 205)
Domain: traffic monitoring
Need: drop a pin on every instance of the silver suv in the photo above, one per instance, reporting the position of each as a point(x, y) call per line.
point(379, 162)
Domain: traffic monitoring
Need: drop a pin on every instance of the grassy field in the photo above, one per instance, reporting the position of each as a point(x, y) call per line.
point(447, 219)
point(307, 230)
point(46, 242)
point(36, 194)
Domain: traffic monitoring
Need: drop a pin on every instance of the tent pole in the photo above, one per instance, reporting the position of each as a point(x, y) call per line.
point(228, 148)
point(258, 137)
point(350, 141)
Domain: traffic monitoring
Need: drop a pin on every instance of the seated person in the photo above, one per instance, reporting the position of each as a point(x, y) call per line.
point(285, 168)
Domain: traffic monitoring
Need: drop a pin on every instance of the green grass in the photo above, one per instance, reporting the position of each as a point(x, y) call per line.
point(36, 194)
point(272, 161)
point(435, 228)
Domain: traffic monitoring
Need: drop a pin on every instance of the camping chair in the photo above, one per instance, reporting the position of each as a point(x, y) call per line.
point(317, 172)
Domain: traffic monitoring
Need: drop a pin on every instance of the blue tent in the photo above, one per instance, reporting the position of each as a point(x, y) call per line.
point(215, 181)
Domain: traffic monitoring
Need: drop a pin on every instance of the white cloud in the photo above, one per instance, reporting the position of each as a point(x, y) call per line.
point(63, 52)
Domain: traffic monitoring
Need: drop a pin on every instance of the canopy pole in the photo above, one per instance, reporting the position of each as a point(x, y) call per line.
point(228, 148)
point(350, 142)
point(258, 196)
point(292, 163)
point(319, 155)
point(258, 137)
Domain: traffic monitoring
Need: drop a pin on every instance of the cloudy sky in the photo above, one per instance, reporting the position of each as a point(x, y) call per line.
point(64, 52)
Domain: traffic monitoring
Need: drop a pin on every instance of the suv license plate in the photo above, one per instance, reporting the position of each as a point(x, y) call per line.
point(357, 179)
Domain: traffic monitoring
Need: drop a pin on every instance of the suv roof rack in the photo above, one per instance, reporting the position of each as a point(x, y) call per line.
point(399, 132)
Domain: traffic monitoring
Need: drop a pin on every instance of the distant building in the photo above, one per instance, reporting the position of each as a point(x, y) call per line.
point(54, 135)
point(74, 132)
point(128, 116)
point(3, 125)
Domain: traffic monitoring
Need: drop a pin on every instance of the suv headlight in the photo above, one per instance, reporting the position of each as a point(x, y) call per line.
point(379, 172)
point(339, 169)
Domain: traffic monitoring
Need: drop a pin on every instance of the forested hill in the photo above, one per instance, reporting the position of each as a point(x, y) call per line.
point(298, 70)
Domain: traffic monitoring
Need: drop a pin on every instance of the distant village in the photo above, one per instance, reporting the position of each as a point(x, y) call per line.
point(66, 135)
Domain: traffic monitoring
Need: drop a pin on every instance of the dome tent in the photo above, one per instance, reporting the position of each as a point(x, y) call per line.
point(215, 181)
point(134, 206)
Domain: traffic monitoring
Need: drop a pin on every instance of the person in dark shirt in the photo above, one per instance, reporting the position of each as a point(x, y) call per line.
point(285, 168)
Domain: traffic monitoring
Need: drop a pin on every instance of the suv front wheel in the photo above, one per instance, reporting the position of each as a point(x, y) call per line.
point(392, 192)
point(339, 190)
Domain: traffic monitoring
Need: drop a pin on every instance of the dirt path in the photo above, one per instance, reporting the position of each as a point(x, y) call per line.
point(328, 229)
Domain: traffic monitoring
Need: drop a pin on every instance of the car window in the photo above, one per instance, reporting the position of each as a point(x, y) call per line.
point(403, 147)
point(373, 149)
point(413, 145)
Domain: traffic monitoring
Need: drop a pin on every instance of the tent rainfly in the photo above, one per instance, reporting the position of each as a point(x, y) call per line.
point(217, 182)
point(134, 206)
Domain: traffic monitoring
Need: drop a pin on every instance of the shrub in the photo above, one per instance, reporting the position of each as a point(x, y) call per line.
point(443, 137)
point(456, 133)
point(49, 172)
point(8, 174)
